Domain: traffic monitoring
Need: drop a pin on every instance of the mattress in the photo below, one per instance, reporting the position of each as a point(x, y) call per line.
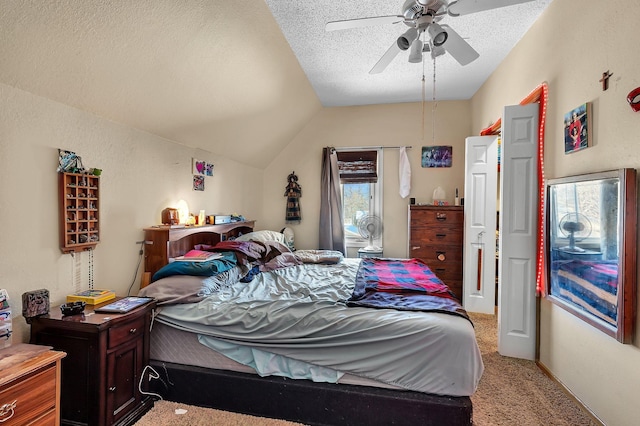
point(169, 344)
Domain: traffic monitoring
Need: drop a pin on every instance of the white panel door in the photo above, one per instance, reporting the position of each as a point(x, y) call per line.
point(480, 199)
point(518, 228)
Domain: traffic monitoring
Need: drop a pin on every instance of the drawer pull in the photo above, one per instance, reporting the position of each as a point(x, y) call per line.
point(133, 330)
point(441, 217)
point(9, 409)
point(415, 248)
point(112, 389)
point(441, 235)
point(440, 270)
point(441, 256)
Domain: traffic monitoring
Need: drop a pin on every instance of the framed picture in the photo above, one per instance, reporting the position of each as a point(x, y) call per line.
point(202, 168)
point(437, 156)
point(591, 249)
point(198, 183)
point(578, 129)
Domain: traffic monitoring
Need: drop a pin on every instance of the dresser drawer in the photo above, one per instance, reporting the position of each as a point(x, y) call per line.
point(437, 217)
point(125, 332)
point(445, 234)
point(448, 272)
point(433, 255)
point(29, 399)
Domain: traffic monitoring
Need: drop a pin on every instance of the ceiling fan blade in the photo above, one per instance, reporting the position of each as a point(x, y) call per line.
point(363, 22)
point(386, 59)
point(457, 47)
point(465, 7)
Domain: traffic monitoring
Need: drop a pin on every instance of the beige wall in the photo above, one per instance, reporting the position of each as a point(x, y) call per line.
point(570, 47)
point(142, 174)
point(378, 125)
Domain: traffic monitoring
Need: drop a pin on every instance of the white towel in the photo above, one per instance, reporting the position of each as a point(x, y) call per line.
point(405, 173)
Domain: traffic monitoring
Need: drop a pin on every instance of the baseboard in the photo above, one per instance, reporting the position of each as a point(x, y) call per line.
point(570, 394)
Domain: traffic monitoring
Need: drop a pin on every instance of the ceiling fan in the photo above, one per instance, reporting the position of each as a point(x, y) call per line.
point(422, 17)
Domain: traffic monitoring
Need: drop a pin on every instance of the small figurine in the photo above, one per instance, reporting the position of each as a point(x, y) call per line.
point(293, 192)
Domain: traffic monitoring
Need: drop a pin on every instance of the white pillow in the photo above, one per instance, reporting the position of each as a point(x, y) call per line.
point(262, 236)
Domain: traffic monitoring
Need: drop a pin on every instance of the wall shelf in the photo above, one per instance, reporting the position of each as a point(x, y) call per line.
point(79, 211)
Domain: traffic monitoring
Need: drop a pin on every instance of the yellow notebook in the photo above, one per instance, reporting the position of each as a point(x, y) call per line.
point(91, 297)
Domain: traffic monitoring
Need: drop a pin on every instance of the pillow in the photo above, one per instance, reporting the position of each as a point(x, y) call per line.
point(262, 236)
point(177, 289)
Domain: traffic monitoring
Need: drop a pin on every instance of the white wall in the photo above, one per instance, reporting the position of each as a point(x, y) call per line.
point(570, 46)
point(376, 125)
point(142, 174)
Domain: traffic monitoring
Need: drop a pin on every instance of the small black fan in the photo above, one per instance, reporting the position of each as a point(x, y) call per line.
point(576, 227)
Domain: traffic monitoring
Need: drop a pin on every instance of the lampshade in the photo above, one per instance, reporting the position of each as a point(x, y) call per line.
point(183, 211)
point(438, 34)
point(415, 56)
point(405, 40)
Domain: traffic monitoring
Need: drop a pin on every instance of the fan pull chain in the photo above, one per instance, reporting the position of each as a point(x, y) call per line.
point(423, 101)
point(424, 97)
point(433, 107)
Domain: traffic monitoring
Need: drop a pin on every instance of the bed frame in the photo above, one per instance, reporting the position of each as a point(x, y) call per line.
point(305, 401)
point(302, 401)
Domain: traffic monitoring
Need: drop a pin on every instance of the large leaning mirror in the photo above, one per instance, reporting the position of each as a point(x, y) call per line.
point(591, 249)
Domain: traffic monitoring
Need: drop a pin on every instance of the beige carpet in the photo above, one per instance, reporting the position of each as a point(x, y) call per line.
point(516, 392)
point(511, 392)
point(163, 413)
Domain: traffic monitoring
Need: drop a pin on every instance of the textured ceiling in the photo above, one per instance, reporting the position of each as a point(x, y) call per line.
point(337, 63)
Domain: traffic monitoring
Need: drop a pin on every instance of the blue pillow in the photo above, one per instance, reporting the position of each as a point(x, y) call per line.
point(207, 268)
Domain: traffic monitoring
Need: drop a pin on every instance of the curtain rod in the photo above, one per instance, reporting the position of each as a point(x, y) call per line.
point(372, 147)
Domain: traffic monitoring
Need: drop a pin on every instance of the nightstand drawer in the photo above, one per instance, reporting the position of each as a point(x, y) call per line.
point(30, 398)
point(124, 332)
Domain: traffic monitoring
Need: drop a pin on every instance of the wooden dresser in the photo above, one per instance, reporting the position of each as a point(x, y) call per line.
point(106, 356)
point(436, 236)
point(29, 385)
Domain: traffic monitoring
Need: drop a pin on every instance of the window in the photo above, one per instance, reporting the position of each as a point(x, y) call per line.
point(361, 184)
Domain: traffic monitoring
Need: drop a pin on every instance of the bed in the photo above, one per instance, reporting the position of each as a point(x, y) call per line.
point(300, 335)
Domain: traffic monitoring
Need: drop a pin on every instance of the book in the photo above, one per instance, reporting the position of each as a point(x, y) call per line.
point(91, 297)
point(123, 305)
point(197, 256)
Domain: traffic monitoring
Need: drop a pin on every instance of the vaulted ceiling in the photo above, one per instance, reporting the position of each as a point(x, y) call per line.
point(214, 75)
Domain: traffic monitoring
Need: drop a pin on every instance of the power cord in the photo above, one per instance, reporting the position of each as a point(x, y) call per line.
point(135, 275)
point(153, 375)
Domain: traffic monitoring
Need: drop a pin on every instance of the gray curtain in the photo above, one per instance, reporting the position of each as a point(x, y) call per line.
point(331, 222)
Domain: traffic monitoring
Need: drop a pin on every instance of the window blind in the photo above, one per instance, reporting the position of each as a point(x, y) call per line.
point(358, 166)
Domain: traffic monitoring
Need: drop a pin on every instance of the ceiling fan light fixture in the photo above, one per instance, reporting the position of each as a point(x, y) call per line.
point(438, 34)
point(437, 51)
point(405, 40)
point(415, 56)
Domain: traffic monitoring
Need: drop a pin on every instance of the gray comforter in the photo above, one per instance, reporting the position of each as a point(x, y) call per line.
point(299, 313)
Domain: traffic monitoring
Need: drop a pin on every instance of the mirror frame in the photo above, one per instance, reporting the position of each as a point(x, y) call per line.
point(624, 327)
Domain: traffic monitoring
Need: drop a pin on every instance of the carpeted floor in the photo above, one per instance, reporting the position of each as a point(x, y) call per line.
point(516, 392)
point(511, 392)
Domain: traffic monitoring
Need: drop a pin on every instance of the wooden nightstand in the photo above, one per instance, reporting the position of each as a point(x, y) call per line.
point(106, 354)
point(29, 385)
